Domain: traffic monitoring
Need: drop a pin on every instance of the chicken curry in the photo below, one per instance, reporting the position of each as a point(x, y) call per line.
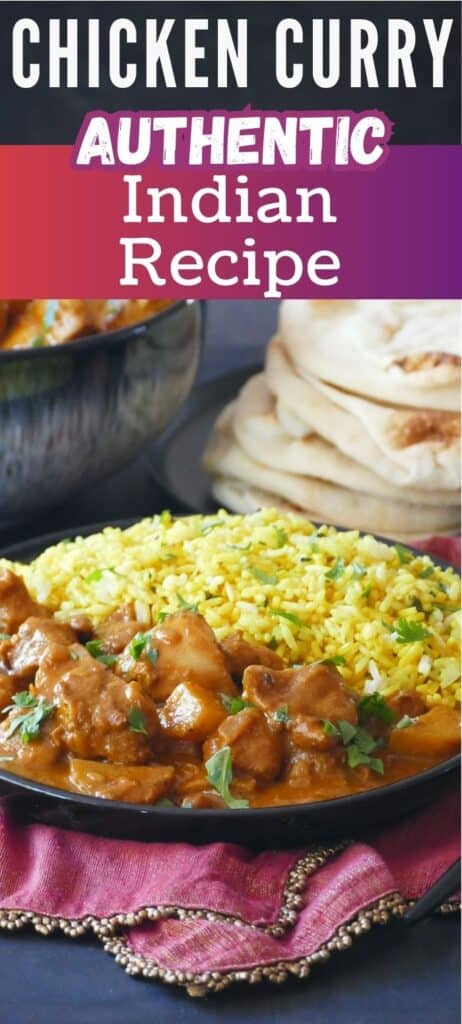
point(166, 714)
point(38, 323)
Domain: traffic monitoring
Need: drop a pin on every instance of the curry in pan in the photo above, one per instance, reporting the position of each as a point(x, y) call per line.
point(38, 323)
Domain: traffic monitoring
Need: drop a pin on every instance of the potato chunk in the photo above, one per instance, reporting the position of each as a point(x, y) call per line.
point(315, 689)
point(191, 712)
point(140, 784)
point(255, 747)
point(436, 734)
point(188, 653)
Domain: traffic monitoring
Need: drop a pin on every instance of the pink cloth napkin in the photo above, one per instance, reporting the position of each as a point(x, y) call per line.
point(203, 917)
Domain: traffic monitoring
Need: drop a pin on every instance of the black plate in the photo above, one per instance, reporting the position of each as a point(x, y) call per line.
point(175, 461)
point(279, 826)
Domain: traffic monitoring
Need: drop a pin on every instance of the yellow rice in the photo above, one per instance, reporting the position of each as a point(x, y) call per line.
point(242, 572)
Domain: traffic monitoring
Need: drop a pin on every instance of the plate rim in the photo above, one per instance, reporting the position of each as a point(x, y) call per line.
point(353, 800)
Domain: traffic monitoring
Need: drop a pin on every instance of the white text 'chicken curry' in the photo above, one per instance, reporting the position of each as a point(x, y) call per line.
point(168, 714)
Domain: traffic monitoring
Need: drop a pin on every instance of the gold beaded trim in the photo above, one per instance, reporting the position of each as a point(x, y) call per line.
point(292, 903)
point(106, 929)
point(215, 981)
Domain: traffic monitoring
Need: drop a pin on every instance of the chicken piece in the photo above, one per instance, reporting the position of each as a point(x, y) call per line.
point(191, 712)
point(406, 703)
point(100, 715)
point(316, 690)
point(16, 306)
point(38, 754)
point(8, 688)
point(190, 777)
point(15, 603)
point(320, 770)
point(204, 801)
point(436, 735)
point(256, 748)
point(307, 733)
point(139, 664)
point(32, 639)
point(119, 629)
point(82, 625)
point(239, 654)
point(188, 653)
point(141, 784)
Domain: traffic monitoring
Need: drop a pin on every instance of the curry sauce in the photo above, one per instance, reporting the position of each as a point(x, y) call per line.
point(127, 711)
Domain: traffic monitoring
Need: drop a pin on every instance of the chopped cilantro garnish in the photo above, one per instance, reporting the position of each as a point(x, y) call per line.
point(49, 316)
point(137, 721)
point(374, 706)
point(137, 645)
point(290, 616)
point(355, 757)
point(405, 721)
point(140, 645)
point(428, 571)
point(94, 577)
point(337, 659)
point(23, 699)
point(38, 342)
point(282, 714)
point(272, 643)
point(410, 632)
point(165, 517)
point(95, 648)
point(5, 636)
point(365, 593)
point(234, 704)
point(239, 547)
point(185, 604)
point(417, 604)
point(281, 536)
point(35, 709)
point(404, 554)
point(346, 730)
point(336, 571)
point(330, 729)
point(263, 577)
point(211, 526)
point(162, 616)
point(358, 744)
point(219, 770)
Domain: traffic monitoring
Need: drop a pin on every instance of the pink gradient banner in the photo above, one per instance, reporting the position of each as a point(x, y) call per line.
point(396, 234)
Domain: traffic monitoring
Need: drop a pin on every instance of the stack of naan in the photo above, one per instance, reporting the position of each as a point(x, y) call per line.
point(354, 421)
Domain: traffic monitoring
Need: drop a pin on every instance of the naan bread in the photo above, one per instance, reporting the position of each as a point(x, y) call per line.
point(244, 499)
point(326, 502)
point(409, 448)
point(399, 351)
point(259, 432)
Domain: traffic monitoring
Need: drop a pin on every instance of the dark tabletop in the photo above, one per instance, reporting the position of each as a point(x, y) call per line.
point(393, 974)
